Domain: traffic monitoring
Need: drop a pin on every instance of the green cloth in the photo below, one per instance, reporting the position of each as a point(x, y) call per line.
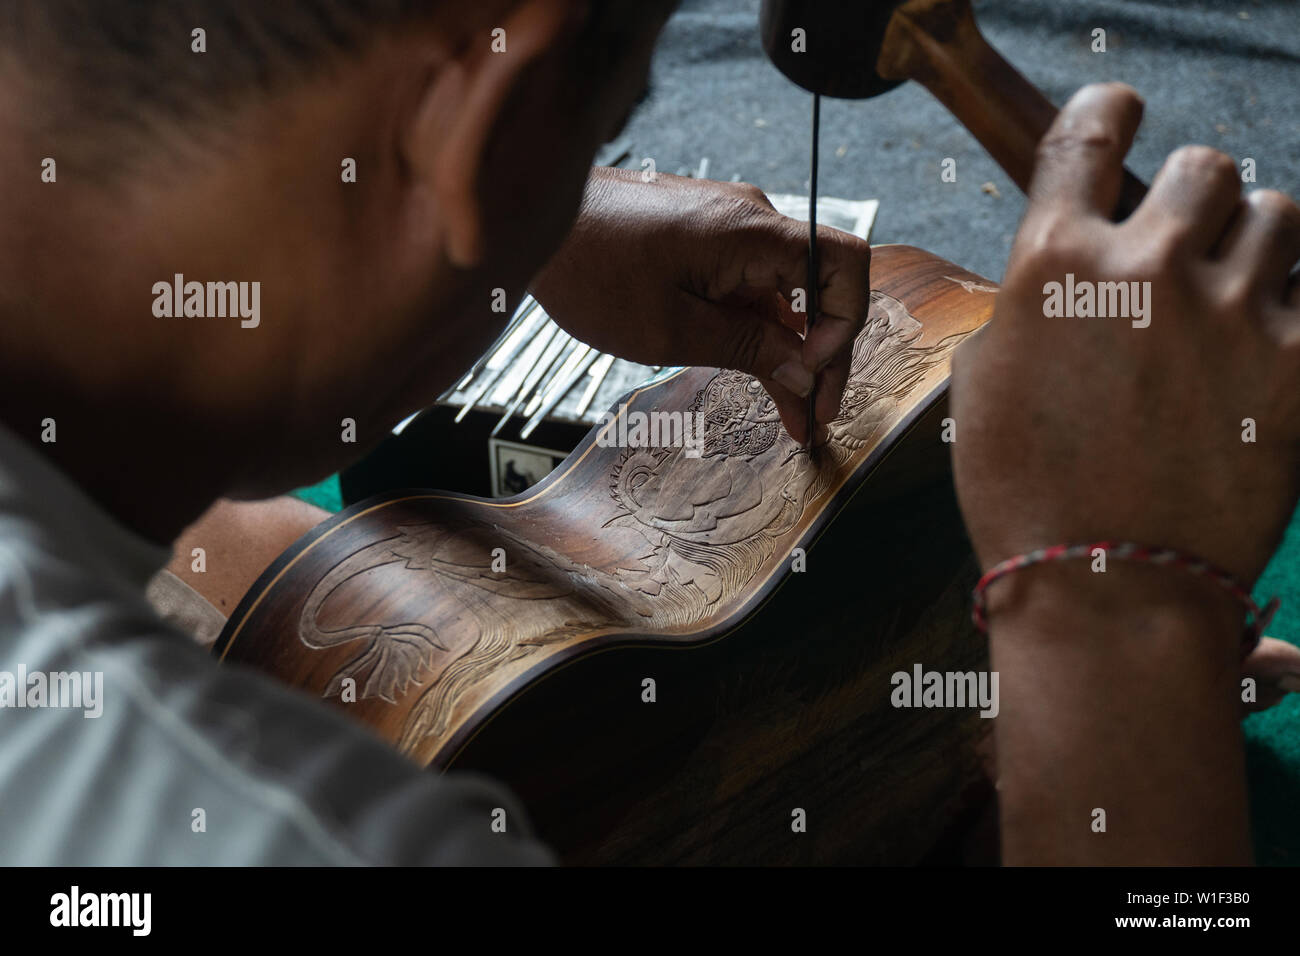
point(326, 494)
point(1273, 737)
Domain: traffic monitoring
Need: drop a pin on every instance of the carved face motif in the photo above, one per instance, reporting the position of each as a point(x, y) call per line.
point(740, 418)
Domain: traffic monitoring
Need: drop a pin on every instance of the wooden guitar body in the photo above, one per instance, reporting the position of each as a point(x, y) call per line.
point(529, 637)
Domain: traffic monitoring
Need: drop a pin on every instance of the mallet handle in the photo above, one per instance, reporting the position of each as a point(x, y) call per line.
point(937, 44)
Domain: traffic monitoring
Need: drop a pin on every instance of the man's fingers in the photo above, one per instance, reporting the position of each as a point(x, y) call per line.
point(828, 340)
point(746, 336)
point(844, 264)
point(772, 257)
point(753, 339)
point(1275, 667)
point(775, 258)
point(792, 408)
point(828, 348)
point(1193, 198)
point(830, 388)
point(1080, 164)
point(1263, 243)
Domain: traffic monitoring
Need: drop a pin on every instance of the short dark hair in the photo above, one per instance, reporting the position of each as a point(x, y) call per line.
point(143, 48)
point(95, 66)
point(129, 64)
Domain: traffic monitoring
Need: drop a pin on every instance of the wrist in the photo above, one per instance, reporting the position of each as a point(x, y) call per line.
point(1059, 601)
point(1113, 684)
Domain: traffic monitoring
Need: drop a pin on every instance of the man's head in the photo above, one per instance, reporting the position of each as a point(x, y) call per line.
point(209, 139)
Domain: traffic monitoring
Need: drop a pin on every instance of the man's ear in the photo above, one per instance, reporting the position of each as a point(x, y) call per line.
point(450, 129)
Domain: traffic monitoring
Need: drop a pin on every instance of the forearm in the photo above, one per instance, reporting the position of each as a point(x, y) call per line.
point(1119, 693)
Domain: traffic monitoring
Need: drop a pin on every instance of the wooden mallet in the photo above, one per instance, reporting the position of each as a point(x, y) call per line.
point(854, 49)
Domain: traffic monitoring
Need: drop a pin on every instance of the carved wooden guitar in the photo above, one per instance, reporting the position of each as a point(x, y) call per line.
point(469, 632)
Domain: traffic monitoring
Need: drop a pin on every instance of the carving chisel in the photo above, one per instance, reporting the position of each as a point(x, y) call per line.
point(525, 309)
point(489, 380)
point(573, 369)
point(567, 344)
point(599, 372)
point(553, 343)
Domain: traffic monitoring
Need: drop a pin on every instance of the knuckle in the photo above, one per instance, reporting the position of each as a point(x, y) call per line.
point(1120, 91)
point(751, 193)
point(1083, 134)
point(1158, 253)
point(738, 213)
point(1145, 253)
point(1235, 295)
point(1050, 241)
point(1206, 163)
point(1158, 256)
point(844, 247)
point(1275, 206)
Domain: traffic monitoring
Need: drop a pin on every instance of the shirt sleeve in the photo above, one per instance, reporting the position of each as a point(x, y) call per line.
point(176, 760)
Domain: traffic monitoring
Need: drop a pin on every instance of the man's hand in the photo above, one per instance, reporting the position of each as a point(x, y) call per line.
point(1118, 738)
point(1080, 429)
point(680, 271)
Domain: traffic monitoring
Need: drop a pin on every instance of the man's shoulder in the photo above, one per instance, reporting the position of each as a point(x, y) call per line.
point(168, 757)
point(124, 743)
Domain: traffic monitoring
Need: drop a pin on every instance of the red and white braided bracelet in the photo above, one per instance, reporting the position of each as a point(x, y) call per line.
point(1257, 618)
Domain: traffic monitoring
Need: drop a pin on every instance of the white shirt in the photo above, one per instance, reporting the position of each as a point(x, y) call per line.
point(188, 762)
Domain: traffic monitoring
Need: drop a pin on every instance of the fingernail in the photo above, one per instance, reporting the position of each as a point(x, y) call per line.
point(795, 377)
point(1290, 683)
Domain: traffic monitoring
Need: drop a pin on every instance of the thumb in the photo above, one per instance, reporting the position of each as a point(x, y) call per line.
point(776, 259)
